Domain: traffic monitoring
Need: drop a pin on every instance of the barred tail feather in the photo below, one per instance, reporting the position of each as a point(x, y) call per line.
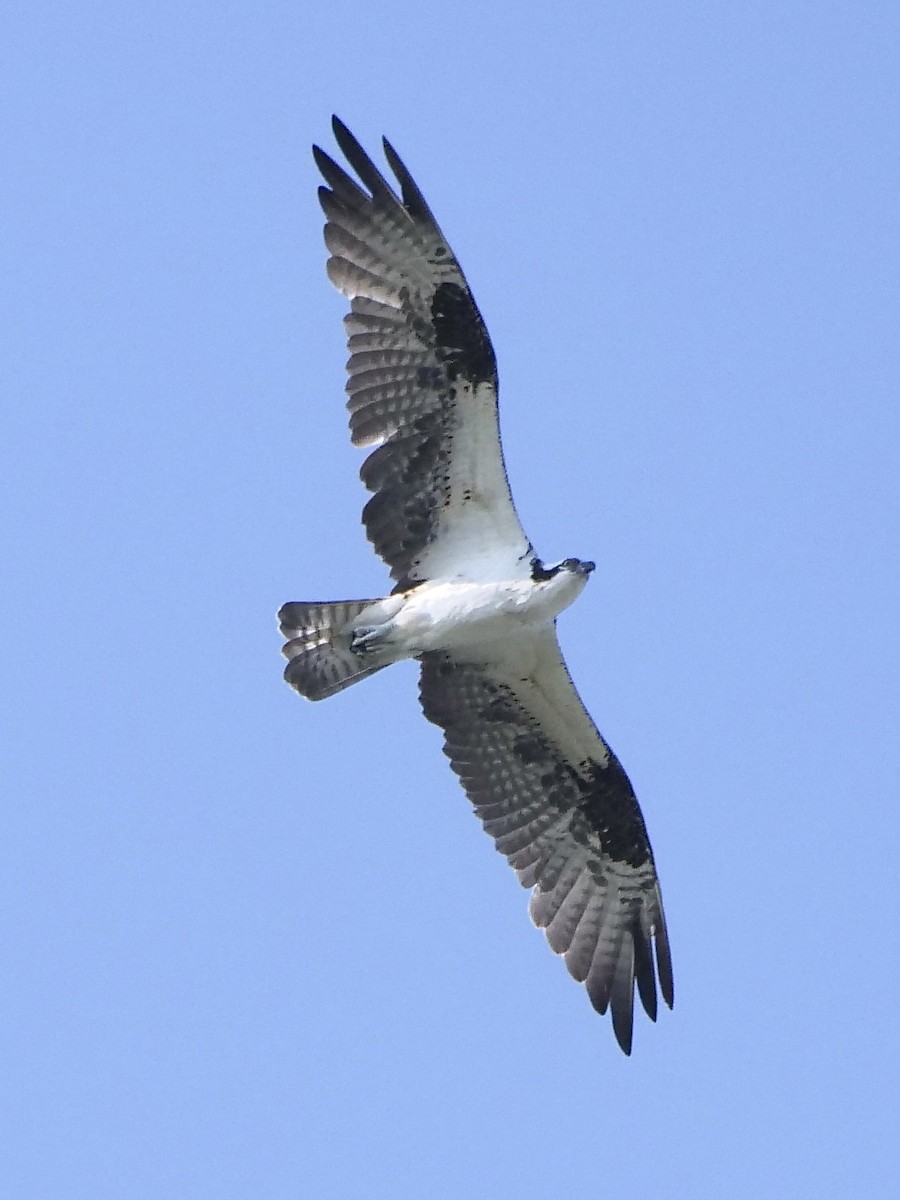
point(318, 647)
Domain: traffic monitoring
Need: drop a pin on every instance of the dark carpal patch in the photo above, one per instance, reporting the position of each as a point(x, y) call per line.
point(462, 340)
point(604, 797)
point(485, 721)
point(611, 809)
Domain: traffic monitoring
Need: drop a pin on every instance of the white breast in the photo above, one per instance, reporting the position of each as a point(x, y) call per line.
point(444, 616)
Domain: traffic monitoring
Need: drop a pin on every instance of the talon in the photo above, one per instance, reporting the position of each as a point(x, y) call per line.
point(365, 639)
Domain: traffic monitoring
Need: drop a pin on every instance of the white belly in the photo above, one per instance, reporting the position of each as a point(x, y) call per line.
point(445, 616)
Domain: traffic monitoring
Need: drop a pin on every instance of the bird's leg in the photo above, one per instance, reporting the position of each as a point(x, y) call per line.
point(369, 637)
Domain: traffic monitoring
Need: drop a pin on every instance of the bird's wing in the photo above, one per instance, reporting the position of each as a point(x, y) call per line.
point(423, 381)
point(560, 807)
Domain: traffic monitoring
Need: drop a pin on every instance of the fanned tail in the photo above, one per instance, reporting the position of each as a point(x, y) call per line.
point(318, 647)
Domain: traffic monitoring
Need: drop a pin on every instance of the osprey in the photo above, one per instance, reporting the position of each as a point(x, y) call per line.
point(473, 603)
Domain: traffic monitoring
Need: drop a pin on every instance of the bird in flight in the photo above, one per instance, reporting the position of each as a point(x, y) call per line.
point(472, 602)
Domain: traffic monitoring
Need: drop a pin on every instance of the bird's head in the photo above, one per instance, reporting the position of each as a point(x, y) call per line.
point(578, 566)
point(570, 566)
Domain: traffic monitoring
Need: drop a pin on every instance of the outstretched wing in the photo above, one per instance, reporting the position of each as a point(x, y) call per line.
point(423, 381)
point(560, 807)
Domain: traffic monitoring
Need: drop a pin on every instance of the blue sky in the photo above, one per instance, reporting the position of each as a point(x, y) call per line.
point(256, 947)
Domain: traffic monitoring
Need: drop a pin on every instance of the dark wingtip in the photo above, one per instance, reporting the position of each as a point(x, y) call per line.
point(664, 965)
point(348, 143)
point(623, 1034)
point(644, 975)
point(623, 1022)
point(322, 158)
point(340, 130)
point(413, 199)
